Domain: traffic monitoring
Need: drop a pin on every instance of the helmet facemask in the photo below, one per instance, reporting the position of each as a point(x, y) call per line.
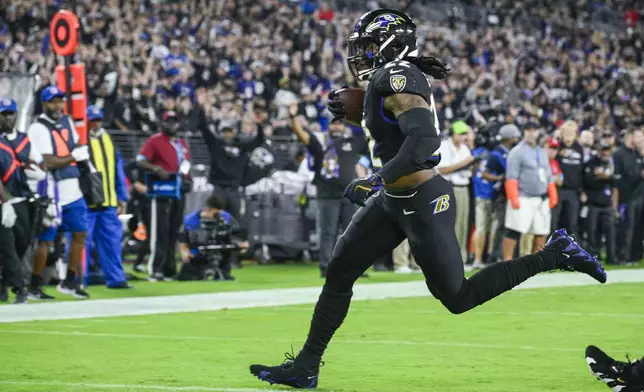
point(366, 55)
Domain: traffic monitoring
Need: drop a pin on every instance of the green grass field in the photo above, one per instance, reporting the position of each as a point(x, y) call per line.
point(527, 340)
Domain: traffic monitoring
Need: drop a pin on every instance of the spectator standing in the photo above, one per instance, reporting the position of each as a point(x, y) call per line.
point(552, 147)
point(55, 137)
point(104, 229)
point(335, 162)
point(488, 217)
point(229, 156)
point(598, 184)
point(629, 173)
point(455, 166)
point(163, 154)
point(531, 192)
point(571, 161)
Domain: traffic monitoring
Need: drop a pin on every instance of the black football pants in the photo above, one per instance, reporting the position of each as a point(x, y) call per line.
point(14, 242)
point(426, 216)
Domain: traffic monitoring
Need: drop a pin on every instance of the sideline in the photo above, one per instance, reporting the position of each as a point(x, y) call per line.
point(265, 298)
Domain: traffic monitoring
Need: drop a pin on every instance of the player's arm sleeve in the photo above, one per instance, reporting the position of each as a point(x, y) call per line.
point(404, 88)
point(121, 188)
point(421, 140)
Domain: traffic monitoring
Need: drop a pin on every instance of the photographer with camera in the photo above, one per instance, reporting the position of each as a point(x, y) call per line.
point(208, 242)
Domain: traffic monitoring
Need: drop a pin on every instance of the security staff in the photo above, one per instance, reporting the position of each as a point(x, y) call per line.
point(212, 210)
point(104, 229)
point(598, 184)
point(15, 225)
point(54, 135)
point(629, 172)
point(335, 163)
point(162, 154)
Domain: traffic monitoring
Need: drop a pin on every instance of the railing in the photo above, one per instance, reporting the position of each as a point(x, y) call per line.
point(129, 144)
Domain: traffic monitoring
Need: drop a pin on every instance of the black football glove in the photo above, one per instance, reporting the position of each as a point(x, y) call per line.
point(360, 189)
point(335, 106)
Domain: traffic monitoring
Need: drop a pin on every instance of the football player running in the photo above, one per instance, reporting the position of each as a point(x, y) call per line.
point(406, 198)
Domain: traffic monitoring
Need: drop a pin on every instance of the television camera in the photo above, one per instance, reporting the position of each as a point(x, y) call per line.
point(214, 240)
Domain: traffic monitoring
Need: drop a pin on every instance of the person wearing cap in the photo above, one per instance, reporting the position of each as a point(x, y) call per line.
point(490, 199)
point(531, 192)
point(15, 223)
point(54, 135)
point(571, 160)
point(103, 224)
point(599, 180)
point(455, 166)
point(163, 154)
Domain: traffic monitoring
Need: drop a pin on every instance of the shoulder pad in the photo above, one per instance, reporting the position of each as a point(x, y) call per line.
point(401, 77)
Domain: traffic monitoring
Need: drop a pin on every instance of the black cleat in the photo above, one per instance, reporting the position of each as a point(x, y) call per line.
point(289, 373)
point(72, 288)
point(574, 257)
point(36, 294)
point(619, 376)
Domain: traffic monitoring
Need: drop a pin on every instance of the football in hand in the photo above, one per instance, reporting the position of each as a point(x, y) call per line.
point(353, 100)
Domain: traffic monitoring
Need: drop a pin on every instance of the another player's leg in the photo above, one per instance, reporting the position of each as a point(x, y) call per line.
point(619, 376)
point(370, 235)
point(436, 250)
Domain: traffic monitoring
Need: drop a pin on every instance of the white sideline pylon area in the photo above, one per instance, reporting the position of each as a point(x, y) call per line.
point(265, 298)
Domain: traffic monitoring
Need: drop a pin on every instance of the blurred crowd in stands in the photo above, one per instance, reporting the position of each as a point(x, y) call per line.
point(250, 59)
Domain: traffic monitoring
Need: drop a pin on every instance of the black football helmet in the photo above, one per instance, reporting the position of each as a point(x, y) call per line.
point(379, 37)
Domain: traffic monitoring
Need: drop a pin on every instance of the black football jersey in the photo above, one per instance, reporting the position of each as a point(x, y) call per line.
point(380, 125)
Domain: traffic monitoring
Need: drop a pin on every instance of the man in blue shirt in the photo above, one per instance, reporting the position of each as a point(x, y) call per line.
point(192, 222)
point(490, 198)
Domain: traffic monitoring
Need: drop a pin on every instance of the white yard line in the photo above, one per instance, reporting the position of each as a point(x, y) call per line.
point(262, 298)
point(370, 342)
point(128, 387)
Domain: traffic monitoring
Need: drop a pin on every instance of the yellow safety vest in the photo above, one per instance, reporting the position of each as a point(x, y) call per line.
point(104, 157)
